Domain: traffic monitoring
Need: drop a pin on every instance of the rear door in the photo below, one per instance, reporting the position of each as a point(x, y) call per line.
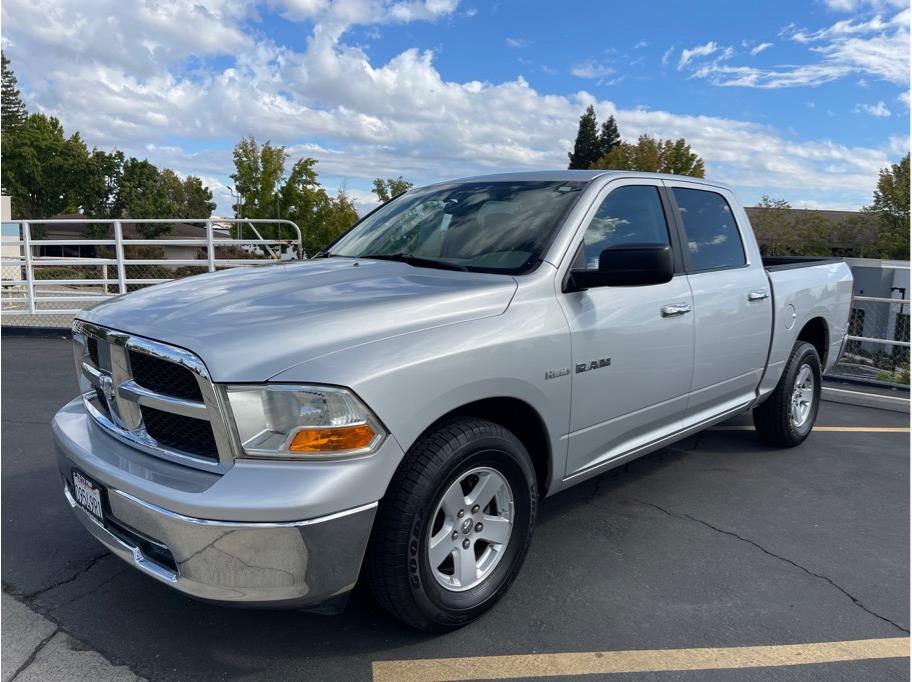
point(731, 298)
point(632, 346)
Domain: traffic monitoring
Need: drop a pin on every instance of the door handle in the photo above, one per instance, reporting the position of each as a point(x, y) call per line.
point(675, 309)
point(758, 295)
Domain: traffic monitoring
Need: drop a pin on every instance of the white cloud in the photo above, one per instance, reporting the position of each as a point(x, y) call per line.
point(688, 56)
point(666, 56)
point(760, 48)
point(877, 48)
point(878, 110)
point(855, 5)
point(591, 69)
point(339, 15)
point(641, 45)
point(517, 43)
point(359, 118)
point(904, 98)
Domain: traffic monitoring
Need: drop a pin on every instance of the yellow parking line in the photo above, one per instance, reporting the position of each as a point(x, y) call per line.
point(657, 660)
point(849, 429)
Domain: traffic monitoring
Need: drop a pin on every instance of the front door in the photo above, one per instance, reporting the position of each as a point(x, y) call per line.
point(632, 346)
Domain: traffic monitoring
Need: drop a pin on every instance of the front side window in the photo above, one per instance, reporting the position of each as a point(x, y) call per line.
point(483, 226)
point(713, 239)
point(629, 215)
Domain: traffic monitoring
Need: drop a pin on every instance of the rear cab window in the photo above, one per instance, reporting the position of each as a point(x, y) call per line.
point(712, 234)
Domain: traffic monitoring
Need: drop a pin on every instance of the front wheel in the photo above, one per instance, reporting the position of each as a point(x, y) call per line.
point(455, 526)
point(786, 418)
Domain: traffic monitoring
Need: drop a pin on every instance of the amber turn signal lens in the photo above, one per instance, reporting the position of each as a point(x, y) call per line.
point(332, 439)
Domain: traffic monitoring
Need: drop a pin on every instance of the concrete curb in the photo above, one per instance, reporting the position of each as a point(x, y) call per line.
point(862, 399)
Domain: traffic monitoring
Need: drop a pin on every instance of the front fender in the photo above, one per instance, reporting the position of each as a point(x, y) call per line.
point(412, 380)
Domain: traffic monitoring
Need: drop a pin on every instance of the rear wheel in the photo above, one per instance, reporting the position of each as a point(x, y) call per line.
point(786, 418)
point(454, 528)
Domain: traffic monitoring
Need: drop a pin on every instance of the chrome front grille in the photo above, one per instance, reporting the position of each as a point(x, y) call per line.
point(153, 396)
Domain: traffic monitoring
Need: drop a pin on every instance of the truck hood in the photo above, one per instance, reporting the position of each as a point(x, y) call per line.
point(249, 324)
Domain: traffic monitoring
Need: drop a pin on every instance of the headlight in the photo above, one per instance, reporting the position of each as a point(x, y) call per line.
point(302, 421)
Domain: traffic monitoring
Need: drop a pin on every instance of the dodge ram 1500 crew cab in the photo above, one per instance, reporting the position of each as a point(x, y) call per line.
point(396, 406)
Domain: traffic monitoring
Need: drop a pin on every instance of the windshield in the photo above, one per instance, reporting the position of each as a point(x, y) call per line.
point(483, 226)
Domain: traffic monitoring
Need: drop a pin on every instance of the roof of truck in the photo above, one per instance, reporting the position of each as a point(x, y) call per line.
point(576, 176)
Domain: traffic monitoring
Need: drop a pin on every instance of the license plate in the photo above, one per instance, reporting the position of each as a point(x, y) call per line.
point(88, 495)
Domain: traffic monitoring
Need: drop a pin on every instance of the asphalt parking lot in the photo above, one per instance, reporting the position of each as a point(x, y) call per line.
point(717, 542)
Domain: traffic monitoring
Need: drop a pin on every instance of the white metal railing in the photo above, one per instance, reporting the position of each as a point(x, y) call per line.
point(18, 290)
point(878, 343)
point(886, 342)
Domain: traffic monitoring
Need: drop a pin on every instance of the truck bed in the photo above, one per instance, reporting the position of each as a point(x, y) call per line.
point(804, 289)
point(774, 263)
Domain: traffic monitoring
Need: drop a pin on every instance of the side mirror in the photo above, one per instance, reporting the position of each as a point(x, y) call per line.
point(629, 265)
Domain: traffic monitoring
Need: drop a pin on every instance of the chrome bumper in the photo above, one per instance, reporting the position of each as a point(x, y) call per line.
point(228, 538)
point(296, 564)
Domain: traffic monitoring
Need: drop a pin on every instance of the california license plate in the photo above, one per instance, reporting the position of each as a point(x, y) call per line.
point(88, 495)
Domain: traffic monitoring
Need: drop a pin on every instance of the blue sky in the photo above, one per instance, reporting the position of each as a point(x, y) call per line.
point(800, 100)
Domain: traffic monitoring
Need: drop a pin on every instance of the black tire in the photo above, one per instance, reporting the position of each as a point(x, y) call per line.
point(397, 564)
point(773, 417)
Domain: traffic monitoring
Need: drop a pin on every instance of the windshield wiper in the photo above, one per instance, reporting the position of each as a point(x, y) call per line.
point(416, 261)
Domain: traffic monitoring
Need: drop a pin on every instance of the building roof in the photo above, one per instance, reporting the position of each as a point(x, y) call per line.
point(829, 216)
point(179, 230)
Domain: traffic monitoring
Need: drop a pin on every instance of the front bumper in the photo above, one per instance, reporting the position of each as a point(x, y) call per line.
point(310, 563)
point(302, 564)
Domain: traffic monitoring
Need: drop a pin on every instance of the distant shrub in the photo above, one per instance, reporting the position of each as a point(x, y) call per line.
point(189, 271)
point(57, 272)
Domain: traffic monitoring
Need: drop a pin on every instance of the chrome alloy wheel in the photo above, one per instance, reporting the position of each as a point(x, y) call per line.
point(471, 529)
point(802, 396)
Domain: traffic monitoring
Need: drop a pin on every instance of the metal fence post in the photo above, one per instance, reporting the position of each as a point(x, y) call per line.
point(119, 254)
point(29, 274)
point(210, 246)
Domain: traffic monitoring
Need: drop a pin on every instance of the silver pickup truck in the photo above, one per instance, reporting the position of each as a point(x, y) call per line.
point(396, 406)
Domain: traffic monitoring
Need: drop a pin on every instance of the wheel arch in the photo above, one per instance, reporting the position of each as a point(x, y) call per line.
point(518, 417)
point(817, 333)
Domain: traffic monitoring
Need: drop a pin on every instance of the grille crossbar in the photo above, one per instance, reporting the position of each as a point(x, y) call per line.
point(156, 397)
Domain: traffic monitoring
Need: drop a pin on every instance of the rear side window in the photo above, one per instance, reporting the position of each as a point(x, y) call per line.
point(629, 215)
point(713, 239)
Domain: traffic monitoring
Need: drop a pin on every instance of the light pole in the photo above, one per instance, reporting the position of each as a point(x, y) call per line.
point(237, 207)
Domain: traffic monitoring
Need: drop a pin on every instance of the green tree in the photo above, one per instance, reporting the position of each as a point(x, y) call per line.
point(586, 148)
point(44, 172)
point(105, 183)
point(653, 155)
point(143, 194)
point(891, 209)
point(321, 217)
point(336, 216)
point(257, 177)
point(390, 188)
point(608, 138)
point(198, 201)
point(13, 108)
point(146, 192)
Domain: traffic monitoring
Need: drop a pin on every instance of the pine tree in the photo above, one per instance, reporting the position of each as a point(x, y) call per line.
point(586, 150)
point(14, 112)
point(609, 137)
